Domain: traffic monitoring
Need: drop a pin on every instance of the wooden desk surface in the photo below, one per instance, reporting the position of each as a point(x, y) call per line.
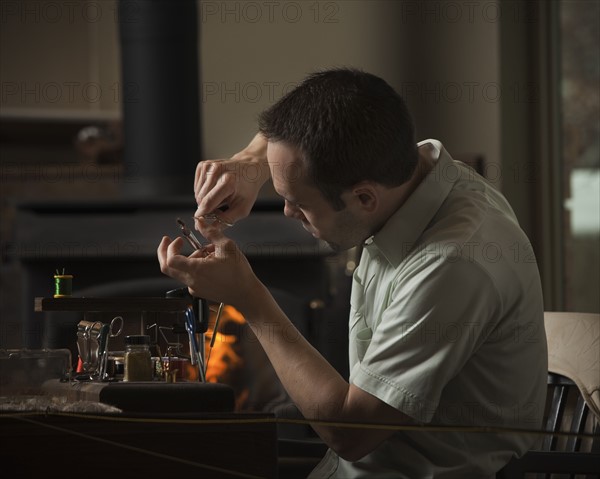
point(217, 445)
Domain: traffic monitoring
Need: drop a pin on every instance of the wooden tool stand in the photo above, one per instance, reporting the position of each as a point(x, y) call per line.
point(112, 305)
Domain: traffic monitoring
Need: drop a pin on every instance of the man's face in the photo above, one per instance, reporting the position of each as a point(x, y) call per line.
point(303, 201)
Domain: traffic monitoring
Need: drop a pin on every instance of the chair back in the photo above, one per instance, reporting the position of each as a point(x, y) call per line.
point(573, 403)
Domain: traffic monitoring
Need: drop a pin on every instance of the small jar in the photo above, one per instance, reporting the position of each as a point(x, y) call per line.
point(138, 362)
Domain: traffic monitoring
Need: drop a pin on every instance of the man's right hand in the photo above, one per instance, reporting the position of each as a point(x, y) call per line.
point(234, 183)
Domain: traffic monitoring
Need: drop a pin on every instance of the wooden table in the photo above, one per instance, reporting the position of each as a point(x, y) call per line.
point(161, 446)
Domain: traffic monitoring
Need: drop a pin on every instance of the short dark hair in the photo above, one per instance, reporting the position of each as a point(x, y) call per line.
point(348, 126)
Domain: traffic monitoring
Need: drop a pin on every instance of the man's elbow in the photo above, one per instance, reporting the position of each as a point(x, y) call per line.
point(349, 447)
point(352, 455)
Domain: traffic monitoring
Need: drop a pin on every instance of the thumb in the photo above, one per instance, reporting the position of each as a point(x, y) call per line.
point(224, 247)
point(213, 234)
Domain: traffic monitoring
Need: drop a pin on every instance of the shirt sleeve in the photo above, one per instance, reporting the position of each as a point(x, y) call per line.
point(435, 320)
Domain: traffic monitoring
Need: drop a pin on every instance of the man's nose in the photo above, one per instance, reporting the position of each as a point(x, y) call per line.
point(291, 211)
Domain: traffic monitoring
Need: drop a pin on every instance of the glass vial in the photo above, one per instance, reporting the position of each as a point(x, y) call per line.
point(138, 362)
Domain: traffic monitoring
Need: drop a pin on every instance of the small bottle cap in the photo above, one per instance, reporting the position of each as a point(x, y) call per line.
point(138, 339)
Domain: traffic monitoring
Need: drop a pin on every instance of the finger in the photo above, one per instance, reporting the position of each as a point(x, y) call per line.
point(203, 253)
point(178, 266)
point(204, 176)
point(206, 172)
point(199, 253)
point(161, 252)
point(205, 225)
point(173, 256)
point(174, 248)
point(212, 231)
point(200, 223)
point(168, 265)
point(209, 248)
point(210, 177)
point(197, 176)
point(217, 196)
point(224, 247)
point(214, 235)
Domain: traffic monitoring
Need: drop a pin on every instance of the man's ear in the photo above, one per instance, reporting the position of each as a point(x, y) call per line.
point(367, 196)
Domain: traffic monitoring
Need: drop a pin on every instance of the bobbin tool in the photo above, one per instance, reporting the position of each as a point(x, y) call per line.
point(189, 236)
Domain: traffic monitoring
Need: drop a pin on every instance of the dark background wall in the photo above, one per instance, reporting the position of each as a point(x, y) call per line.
point(467, 70)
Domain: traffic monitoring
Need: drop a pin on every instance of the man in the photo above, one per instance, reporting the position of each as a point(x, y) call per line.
point(446, 322)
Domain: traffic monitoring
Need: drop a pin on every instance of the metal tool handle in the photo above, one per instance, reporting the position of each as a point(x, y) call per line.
point(196, 322)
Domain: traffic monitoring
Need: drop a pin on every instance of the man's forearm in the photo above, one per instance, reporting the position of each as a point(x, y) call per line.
point(316, 388)
point(256, 154)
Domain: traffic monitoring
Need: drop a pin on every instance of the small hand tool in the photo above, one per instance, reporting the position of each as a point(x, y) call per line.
point(190, 236)
point(109, 332)
point(190, 324)
point(213, 217)
point(196, 356)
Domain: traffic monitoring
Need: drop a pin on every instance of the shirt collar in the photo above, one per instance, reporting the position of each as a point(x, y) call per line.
point(407, 224)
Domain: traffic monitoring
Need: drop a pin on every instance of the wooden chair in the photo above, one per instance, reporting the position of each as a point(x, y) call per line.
point(571, 457)
point(573, 344)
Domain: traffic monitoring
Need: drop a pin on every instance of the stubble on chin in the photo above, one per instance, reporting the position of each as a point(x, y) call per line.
point(335, 247)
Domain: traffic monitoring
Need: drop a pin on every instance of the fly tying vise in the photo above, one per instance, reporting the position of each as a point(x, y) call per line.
point(195, 243)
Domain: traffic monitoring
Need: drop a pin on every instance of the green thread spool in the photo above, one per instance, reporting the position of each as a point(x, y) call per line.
point(63, 285)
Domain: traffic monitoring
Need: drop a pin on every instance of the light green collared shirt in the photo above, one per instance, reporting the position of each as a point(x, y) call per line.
point(446, 325)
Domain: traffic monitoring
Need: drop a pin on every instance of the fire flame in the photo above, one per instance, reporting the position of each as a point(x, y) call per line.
point(226, 360)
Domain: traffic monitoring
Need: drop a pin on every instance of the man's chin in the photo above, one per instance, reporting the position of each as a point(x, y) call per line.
point(334, 247)
point(337, 248)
